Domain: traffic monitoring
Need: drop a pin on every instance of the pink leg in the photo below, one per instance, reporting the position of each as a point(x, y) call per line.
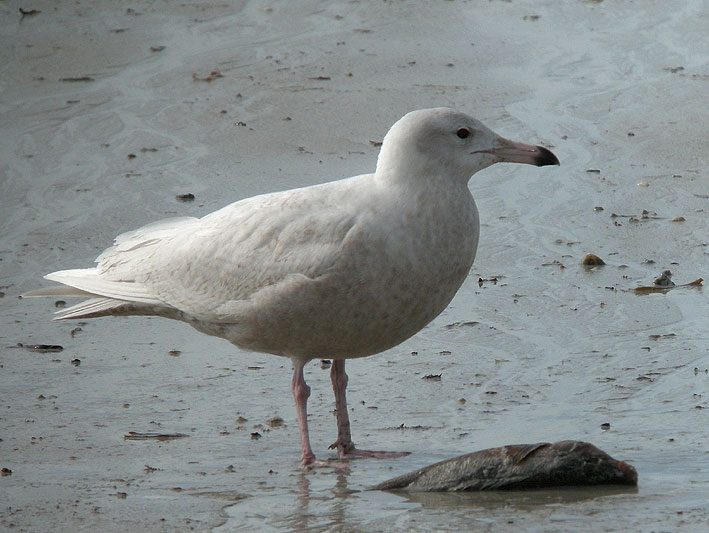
point(339, 379)
point(301, 392)
point(345, 446)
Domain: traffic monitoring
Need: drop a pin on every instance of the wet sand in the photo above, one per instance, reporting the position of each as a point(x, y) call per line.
point(102, 128)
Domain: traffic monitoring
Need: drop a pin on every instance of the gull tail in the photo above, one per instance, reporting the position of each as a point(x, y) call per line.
point(106, 297)
point(92, 308)
point(57, 290)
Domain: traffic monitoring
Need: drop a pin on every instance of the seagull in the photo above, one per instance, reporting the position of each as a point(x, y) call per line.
point(340, 270)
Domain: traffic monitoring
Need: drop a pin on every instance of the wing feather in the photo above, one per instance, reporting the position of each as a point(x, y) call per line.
point(211, 268)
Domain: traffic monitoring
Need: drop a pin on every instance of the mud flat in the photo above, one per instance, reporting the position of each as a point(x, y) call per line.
point(114, 116)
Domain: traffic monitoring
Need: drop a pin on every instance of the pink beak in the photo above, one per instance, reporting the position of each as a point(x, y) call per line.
point(508, 151)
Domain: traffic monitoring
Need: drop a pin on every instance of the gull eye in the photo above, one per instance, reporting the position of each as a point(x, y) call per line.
point(463, 133)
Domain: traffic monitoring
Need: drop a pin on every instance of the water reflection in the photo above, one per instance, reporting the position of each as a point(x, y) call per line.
point(315, 508)
point(519, 500)
point(327, 500)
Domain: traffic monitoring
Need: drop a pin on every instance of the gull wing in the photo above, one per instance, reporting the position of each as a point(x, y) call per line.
point(210, 267)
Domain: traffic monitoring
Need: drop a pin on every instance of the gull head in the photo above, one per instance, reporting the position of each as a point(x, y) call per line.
point(444, 142)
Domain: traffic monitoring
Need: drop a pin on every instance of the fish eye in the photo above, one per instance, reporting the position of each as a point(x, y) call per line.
point(463, 133)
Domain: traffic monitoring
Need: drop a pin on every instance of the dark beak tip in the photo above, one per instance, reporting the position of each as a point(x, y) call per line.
point(546, 157)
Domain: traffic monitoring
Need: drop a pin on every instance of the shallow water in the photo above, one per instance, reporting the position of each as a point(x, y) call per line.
point(550, 351)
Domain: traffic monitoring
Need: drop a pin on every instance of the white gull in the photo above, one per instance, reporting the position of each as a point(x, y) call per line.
point(340, 270)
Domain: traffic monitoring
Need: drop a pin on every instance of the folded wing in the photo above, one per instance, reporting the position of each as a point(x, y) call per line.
point(208, 267)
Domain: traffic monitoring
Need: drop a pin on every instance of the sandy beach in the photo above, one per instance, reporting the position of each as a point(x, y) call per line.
point(111, 113)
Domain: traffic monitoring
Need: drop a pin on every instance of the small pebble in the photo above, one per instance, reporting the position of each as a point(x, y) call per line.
point(275, 422)
point(592, 260)
point(664, 280)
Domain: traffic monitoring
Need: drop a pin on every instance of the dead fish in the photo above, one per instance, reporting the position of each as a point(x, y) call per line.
point(519, 466)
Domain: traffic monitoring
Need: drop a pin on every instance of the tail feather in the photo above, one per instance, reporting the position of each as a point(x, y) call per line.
point(106, 297)
point(90, 281)
point(90, 308)
point(116, 296)
point(57, 290)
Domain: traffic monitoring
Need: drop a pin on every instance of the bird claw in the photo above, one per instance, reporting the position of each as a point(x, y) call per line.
point(348, 451)
point(375, 454)
point(319, 463)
